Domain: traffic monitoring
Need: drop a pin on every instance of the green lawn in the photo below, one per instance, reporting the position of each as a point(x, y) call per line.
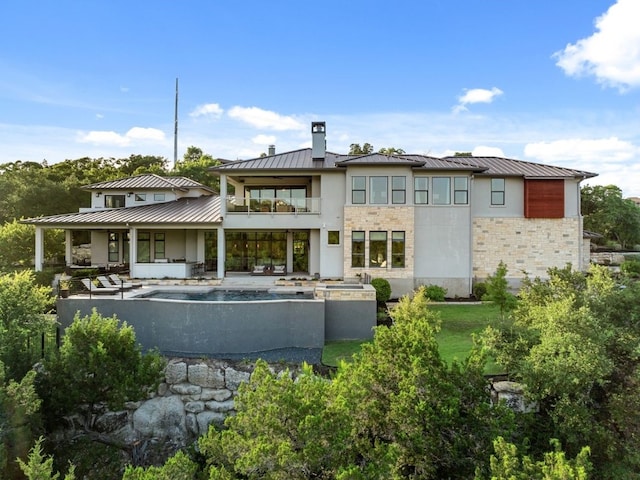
point(459, 322)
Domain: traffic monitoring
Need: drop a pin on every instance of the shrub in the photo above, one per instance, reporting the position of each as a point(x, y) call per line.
point(435, 292)
point(631, 267)
point(383, 289)
point(479, 290)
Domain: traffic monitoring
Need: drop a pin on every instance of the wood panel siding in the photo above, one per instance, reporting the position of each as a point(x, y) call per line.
point(544, 198)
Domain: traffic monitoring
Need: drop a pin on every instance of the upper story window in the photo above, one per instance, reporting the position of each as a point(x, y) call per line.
point(441, 190)
point(114, 201)
point(140, 197)
point(421, 190)
point(378, 190)
point(460, 190)
point(497, 191)
point(398, 190)
point(358, 190)
point(333, 237)
point(158, 197)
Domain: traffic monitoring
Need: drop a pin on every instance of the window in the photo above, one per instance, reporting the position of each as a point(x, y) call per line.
point(497, 191)
point(333, 237)
point(357, 249)
point(144, 247)
point(114, 248)
point(398, 189)
point(397, 249)
point(441, 190)
point(158, 246)
point(421, 190)
point(140, 197)
point(158, 197)
point(460, 190)
point(378, 249)
point(113, 201)
point(358, 190)
point(378, 190)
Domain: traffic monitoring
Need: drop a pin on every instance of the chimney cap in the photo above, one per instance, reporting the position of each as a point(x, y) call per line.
point(318, 127)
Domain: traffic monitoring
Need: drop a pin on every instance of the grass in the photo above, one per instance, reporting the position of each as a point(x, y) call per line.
point(459, 323)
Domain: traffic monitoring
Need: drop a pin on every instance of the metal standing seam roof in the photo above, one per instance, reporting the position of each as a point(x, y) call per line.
point(147, 181)
point(204, 209)
point(510, 167)
point(294, 160)
point(379, 159)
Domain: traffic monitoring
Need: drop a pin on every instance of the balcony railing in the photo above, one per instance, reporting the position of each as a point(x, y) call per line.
point(293, 206)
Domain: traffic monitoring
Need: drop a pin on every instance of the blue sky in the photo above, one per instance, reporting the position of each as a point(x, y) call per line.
point(549, 81)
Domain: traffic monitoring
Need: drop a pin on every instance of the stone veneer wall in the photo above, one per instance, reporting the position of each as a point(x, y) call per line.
point(525, 245)
point(193, 395)
point(385, 218)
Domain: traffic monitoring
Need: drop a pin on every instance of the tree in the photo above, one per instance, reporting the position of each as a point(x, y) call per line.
point(17, 244)
point(573, 344)
point(195, 165)
point(391, 151)
point(178, 467)
point(356, 149)
point(22, 320)
point(607, 213)
point(98, 361)
point(498, 290)
point(40, 466)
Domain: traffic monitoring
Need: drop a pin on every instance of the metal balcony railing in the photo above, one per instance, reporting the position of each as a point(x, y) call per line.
point(239, 205)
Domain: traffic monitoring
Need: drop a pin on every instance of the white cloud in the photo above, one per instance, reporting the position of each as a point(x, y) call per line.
point(612, 53)
point(260, 118)
point(484, 151)
point(476, 95)
point(611, 149)
point(101, 137)
point(208, 109)
point(264, 139)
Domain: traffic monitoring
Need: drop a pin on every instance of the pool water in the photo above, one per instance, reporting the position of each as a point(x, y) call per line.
point(218, 295)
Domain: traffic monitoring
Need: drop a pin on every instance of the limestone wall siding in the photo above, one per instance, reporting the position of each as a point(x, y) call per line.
point(526, 245)
point(381, 218)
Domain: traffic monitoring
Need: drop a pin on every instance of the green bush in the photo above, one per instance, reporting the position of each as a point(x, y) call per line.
point(479, 290)
point(631, 267)
point(383, 289)
point(435, 293)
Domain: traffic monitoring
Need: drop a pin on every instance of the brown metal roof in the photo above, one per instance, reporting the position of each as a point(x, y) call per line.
point(294, 160)
point(379, 159)
point(204, 209)
point(508, 167)
point(148, 181)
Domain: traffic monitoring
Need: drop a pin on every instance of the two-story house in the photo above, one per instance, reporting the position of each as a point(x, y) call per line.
point(412, 219)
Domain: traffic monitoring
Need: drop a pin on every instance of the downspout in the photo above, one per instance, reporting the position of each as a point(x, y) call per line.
point(471, 245)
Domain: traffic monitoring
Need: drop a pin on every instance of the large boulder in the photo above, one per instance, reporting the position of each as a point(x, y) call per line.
point(160, 418)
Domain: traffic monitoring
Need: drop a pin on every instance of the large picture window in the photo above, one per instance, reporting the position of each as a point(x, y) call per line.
point(144, 247)
point(441, 190)
point(358, 190)
point(398, 190)
point(378, 249)
point(460, 190)
point(378, 190)
point(421, 190)
point(397, 249)
point(497, 191)
point(357, 249)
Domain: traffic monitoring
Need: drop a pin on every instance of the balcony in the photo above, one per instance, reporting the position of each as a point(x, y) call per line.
point(273, 206)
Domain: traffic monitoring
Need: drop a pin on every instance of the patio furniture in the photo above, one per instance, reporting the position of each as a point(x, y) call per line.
point(105, 283)
point(116, 280)
point(279, 269)
point(94, 289)
point(258, 270)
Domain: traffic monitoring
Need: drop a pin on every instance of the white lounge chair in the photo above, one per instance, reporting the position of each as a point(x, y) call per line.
point(279, 269)
point(105, 283)
point(117, 281)
point(258, 270)
point(94, 289)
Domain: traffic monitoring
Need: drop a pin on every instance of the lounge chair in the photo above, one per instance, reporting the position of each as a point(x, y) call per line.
point(94, 289)
point(105, 283)
point(117, 281)
point(279, 269)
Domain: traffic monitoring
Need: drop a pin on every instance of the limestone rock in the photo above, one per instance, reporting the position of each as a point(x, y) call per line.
point(206, 376)
point(175, 372)
point(207, 418)
point(235, 377)
point(161, 417)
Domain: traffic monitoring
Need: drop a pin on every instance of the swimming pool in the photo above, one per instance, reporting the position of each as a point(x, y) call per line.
point(224, 295)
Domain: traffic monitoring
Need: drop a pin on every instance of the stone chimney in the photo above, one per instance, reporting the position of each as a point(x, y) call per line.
point(272, 150)
point(318, 140)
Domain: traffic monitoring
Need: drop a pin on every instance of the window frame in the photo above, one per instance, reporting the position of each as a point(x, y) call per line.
point(401, 191)
point(378, 195)
point(417, 190)
point(115, 201)
point(374, 249)
point(159, 246)
point(495, 190)
point(358, 237)
point(329, 238)
point(159, 197)
point(113, 247)
point(437, 200)
point(464, 191)
point(398, 259)
point(357, 189)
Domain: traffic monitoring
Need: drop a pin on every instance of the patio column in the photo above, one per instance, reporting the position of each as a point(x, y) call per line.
point(39, 259)
point(133, 251)
point(221, 252)
point(223, 195)
point(68, 247)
